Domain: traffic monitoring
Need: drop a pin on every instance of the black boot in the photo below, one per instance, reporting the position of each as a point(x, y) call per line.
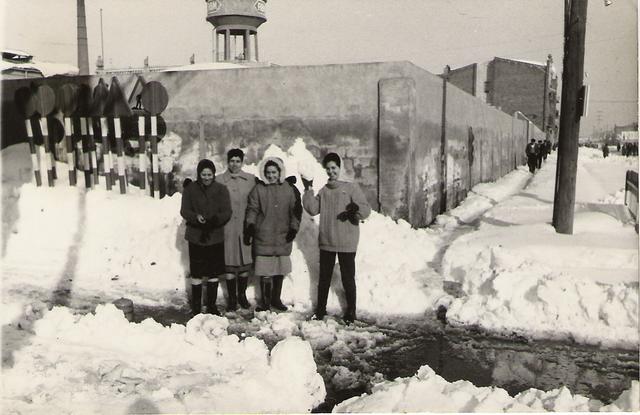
point(242, 292)
point(232, 305)
point(212, 296)
point(196, 299)
point(276, 302)
point(265, 286)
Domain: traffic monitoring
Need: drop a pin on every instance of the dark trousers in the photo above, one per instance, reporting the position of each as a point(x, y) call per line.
point(539, 162)
point(532, 162)
point(347, 262)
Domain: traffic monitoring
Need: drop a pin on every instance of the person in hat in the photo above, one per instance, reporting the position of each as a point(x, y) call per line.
point(237, 255)
point(341, 206)
point(206, 208)
point(272, 223)
point(532, 155)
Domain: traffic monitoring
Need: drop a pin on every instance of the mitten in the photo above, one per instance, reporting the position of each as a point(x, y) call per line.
point(308, 184)
point(248, 234)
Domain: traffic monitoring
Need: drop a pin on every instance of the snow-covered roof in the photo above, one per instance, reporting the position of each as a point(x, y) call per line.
point(17, 53)
point(205, 66)
point(527, 61)
point(46, 68)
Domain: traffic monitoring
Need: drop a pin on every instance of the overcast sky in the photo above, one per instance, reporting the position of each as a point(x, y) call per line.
point(429, 33)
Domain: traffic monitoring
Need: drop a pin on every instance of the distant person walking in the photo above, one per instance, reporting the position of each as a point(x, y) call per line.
point(539, 153)
point(605, 150)
point(532, 156)
point(341, 206)
point(237, 256)
point(547, 148)
point(206, 208)
point(272, 224)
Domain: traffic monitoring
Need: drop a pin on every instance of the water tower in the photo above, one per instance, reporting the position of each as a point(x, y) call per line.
point(236, 22)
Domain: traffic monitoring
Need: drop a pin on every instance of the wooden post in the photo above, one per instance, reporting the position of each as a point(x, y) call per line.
point(35, 164)
point(45, 157)
point(86, 160)
point(92, 152)
point(154, 157)
point(142, 156)
point(443, 143)
point(106, 154)
point(120, 151)
point(573, 71)
point(68, 139)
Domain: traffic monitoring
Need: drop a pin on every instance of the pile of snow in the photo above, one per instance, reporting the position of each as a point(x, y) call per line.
point(428, 392)
point(141, 367)
point(507, 292)
point(113, 245)
point(520, 276)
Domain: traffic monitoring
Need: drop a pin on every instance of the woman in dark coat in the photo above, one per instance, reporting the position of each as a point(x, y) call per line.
point(206, 208)
point(272, 223)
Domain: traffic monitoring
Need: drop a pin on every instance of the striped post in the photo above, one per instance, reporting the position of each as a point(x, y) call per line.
point(142, 158)
point(106, 154)
point(154, 157)
point(92, 152)
point(35, 164)
point(86, 160)
point(44, 151)
point(68, 139)
point(120, 152)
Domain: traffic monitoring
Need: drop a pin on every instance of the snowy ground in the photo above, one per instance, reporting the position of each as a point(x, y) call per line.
point(77, 248)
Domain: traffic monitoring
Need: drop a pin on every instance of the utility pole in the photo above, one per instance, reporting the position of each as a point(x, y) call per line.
point(575, 22)
point(101, 36)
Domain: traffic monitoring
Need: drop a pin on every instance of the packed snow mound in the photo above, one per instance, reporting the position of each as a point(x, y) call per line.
point(177, 369)
point(428, 392)
point(509, 293)
point(131, 245)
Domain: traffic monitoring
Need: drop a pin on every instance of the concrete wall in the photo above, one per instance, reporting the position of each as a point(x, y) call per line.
point(384, 119)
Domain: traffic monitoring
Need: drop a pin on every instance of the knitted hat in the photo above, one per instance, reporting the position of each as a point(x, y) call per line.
point(331, 157)
point(206, 164)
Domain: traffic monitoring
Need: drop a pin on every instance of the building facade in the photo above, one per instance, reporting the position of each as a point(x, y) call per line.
point(512, 86)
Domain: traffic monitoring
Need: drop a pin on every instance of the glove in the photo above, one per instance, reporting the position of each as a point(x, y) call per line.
point(248, 234)
point(352, 207)
point(291, 235)
point(350, 214)
point(308, 184)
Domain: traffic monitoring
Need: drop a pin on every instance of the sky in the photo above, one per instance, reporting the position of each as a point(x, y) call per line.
point(429, 33)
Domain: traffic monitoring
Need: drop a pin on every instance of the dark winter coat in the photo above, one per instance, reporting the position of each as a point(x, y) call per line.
point(336, 235)
point(213, 203)
point(272, 210)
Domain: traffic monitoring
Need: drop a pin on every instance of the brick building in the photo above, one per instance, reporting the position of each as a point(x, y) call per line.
point(514, 85)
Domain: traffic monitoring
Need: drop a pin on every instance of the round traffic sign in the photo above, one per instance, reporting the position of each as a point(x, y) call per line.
point(154, 97)
point(67, 99)
point(25, 101)
point(46, 100)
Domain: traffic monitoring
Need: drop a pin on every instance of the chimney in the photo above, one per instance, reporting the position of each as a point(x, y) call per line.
point(83, 46)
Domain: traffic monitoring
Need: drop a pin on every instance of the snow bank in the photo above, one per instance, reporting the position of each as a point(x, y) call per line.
point(428, 392)
point(131, 245)
point(177, 369)
point(520, 276)
point(509, 293)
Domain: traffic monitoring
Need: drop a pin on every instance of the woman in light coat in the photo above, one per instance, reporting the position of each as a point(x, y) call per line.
point(272, 225)
point(341, 206)
point(237, 255)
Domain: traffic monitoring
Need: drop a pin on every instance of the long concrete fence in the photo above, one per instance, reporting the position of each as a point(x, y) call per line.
point(414, 143)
